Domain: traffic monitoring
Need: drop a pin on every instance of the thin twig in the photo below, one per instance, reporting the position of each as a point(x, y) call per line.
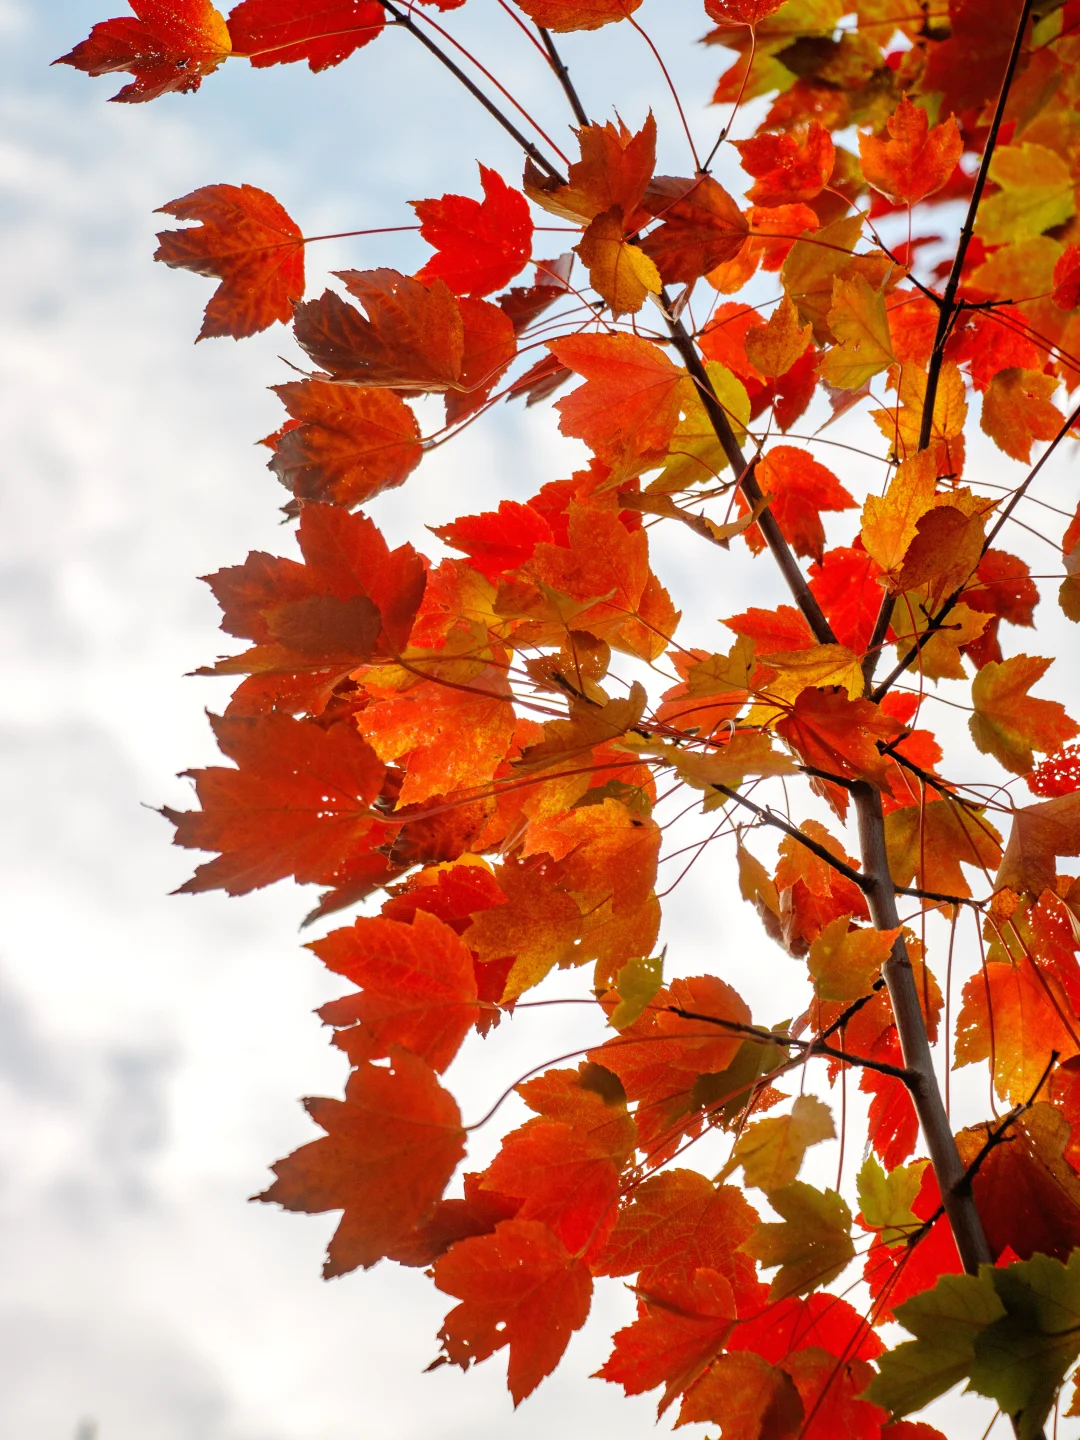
point(536, 155)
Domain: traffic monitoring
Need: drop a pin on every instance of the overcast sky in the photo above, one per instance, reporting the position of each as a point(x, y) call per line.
point(152, 1048)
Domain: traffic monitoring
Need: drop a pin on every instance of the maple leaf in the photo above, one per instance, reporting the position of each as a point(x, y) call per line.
point(246, 240)
point(771, 1151)
point(566, 1177)
point(916, 160)
point(1060, 775)
point(629, 405)
point(811, 1244)
point(1010, 1332)
point(844, 961)
point(170, 45)
point(324, 33)
point(860, 323)
point(1039, 834)
point(413, 336)
point(1017, 411)
point(488, 346)
point(787, 168)
point(774, 349)
point(500, 540)
point(832, 1393)
point(1028, 1016)
point(1027, 1192)
point(799, 488)
point(928, 842)
point(783, 629)
point(890, 522)
point(1035, 192)
point(480, 245)
point(902, 426)
point(833, 733)
point(677, 1223)
point(621, 272)
point(519, 1287)
point(1067, 279)
point(742, 12)
point(537, 926)
point(745, 1395)
point(390, 1148)
point(348, 443)
point(419, 986)
point(615, 167)
point(844, 582)
point(1010, 724)
point(298, 803)
point(563, 15)
point(353, 598)
point(674, 1339)
point(701, 227)
point(418, 728)
point(476, 1213)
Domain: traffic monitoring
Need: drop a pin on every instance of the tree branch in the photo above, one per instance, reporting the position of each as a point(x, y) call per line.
point(537, 156)
point(744, 471)
point(899, 980)
point(580, 113)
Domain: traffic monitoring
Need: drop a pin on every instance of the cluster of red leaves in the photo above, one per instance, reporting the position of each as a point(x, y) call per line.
point(450, 733)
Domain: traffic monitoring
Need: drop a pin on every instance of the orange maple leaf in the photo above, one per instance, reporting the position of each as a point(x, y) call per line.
point(562, 15)
point(629, 406)
point(701, 227)
point(345, 444)
point(419, 986)
point(799, 488)
point(352, 599)
point(520, 1287)
point(788, 168)
point(412, 338)
point(916, 160)
point(299, 803)
point(391, 1147)
point(171, 45)
point(250, 243)
point(678, 1331)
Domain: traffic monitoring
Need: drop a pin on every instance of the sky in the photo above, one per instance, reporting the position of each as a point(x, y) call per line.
point(152, 1048)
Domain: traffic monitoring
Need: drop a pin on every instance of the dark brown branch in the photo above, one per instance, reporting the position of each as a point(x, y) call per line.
point(769, 817)
point(809, 1048)
point(536, 155)
point(899, 979)
point(744, 471)
point(563, 73)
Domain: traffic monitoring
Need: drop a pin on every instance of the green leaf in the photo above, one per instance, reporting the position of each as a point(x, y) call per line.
point(812, 1244)
point(1021, 1359)
point(771, 1151)
point(947, 1321)
point(637, 982)
point(885, 1200)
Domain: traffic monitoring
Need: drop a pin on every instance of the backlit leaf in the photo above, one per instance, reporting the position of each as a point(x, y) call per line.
point(1010, 724)
point(247, 241)
point(390, 1149)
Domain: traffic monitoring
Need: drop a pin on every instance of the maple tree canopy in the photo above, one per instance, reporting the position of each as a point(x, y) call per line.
point(486, 754)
